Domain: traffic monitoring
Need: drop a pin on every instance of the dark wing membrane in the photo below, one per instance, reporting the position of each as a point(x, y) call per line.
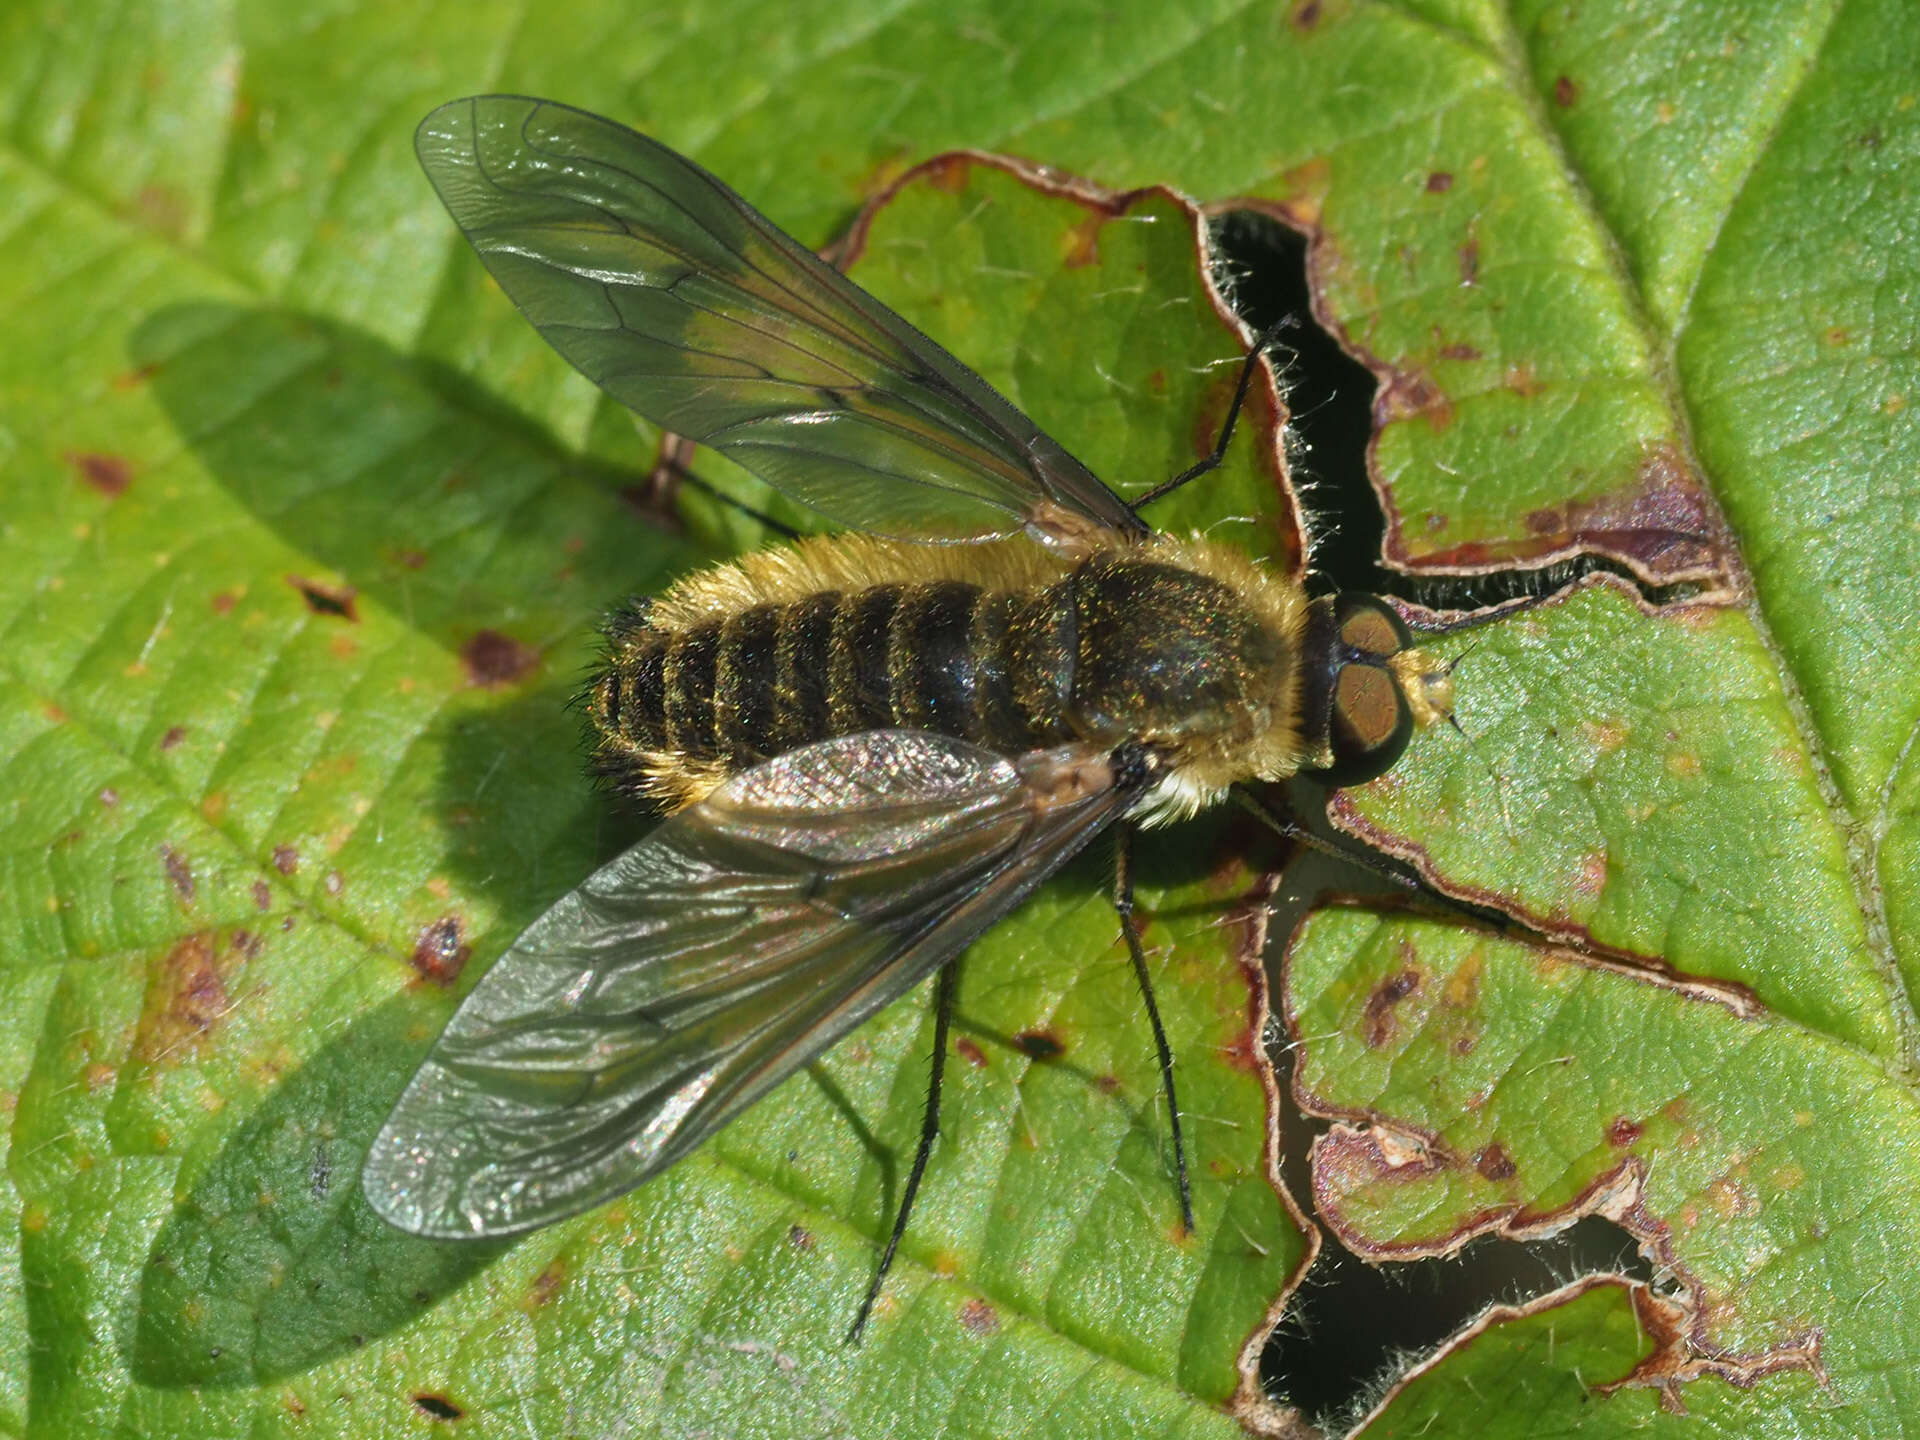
point(683, 980)
point(687, 305)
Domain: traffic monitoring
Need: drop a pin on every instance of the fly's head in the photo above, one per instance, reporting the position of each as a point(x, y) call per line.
point(1368, 688)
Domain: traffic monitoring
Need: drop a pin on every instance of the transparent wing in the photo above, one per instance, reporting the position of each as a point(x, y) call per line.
point(687, 305)
point(684, 979)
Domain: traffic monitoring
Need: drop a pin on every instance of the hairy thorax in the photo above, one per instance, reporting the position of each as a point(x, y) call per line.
point(1186, 645)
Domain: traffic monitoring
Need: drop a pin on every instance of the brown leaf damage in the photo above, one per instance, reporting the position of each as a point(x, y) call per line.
point(1660, 522)
point(1663, 526)
point(336, 602)
point(441, 951)
point(1476, 1148)
point(179, 873)
point(108, 474)
point(190, 992)
point(494, 660)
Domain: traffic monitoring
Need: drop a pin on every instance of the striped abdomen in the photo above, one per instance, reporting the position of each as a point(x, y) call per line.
point(674, 710)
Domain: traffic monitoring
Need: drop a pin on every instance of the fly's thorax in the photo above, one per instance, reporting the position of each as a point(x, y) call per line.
point(1193, 648)
point(1163, 651)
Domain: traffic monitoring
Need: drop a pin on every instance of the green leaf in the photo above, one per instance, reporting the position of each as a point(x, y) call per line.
point(304, 535)
point(1504, 1090)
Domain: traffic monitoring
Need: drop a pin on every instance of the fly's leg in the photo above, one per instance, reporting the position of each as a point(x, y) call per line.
point(1212, 462)
point(673, 464)
point(1123, 903)
point(947, 986)
point(1281, 820)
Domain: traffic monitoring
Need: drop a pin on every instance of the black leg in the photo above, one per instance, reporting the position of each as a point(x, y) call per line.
point(1282, 822)
point(1123, 902)
point(1212, 462)
point(707, 487)
point(947, 986)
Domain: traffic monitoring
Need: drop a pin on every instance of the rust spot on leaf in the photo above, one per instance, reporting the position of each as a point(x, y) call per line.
point(979, 1318)
point(1082, 242)
point(441, 951)
point(1107, 1084)
point(109, 796)
point(1590, 879)
point(171, 740)
point(1038, 1045)
point(334, 601)
point(187, 993)
point(1462, 990)
point(1494, 1163)
point(1470, 262)
point(1566, 90)
point(1731, 1197)
point(286, 859)
point(547, 1283)
point(1439, 182)
point(1524, 381)
point(1624, 1132)
point(1380, 1004)
point(1306, 193)
point(109, 474)
point(1306, 16)
point(1683, 764)
point(179, 873)
point(1606, 735)
point(223, 602)
point(1409, 393)
point(133, 379)
point(262, 896)
point(494, 660)
point(970, 1052)
point(1243, 1051)
point(800, 1238)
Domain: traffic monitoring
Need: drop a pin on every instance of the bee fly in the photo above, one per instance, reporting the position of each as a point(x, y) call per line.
point(872, 745)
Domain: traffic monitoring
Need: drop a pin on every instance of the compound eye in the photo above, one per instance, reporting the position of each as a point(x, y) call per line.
point(1370, 626)
point(1370, 724)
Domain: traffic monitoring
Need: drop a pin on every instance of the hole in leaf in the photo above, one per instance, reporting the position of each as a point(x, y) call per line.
point(338, 602)
point(1351, 1322)
point(1038, 1045)
point(438, 1406)
point(1262, 268)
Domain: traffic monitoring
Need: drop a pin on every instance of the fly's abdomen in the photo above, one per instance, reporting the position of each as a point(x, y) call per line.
point(674, 711)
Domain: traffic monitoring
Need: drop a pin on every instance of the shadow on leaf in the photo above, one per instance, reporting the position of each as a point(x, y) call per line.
point(416, 489)
point(274, 1263)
